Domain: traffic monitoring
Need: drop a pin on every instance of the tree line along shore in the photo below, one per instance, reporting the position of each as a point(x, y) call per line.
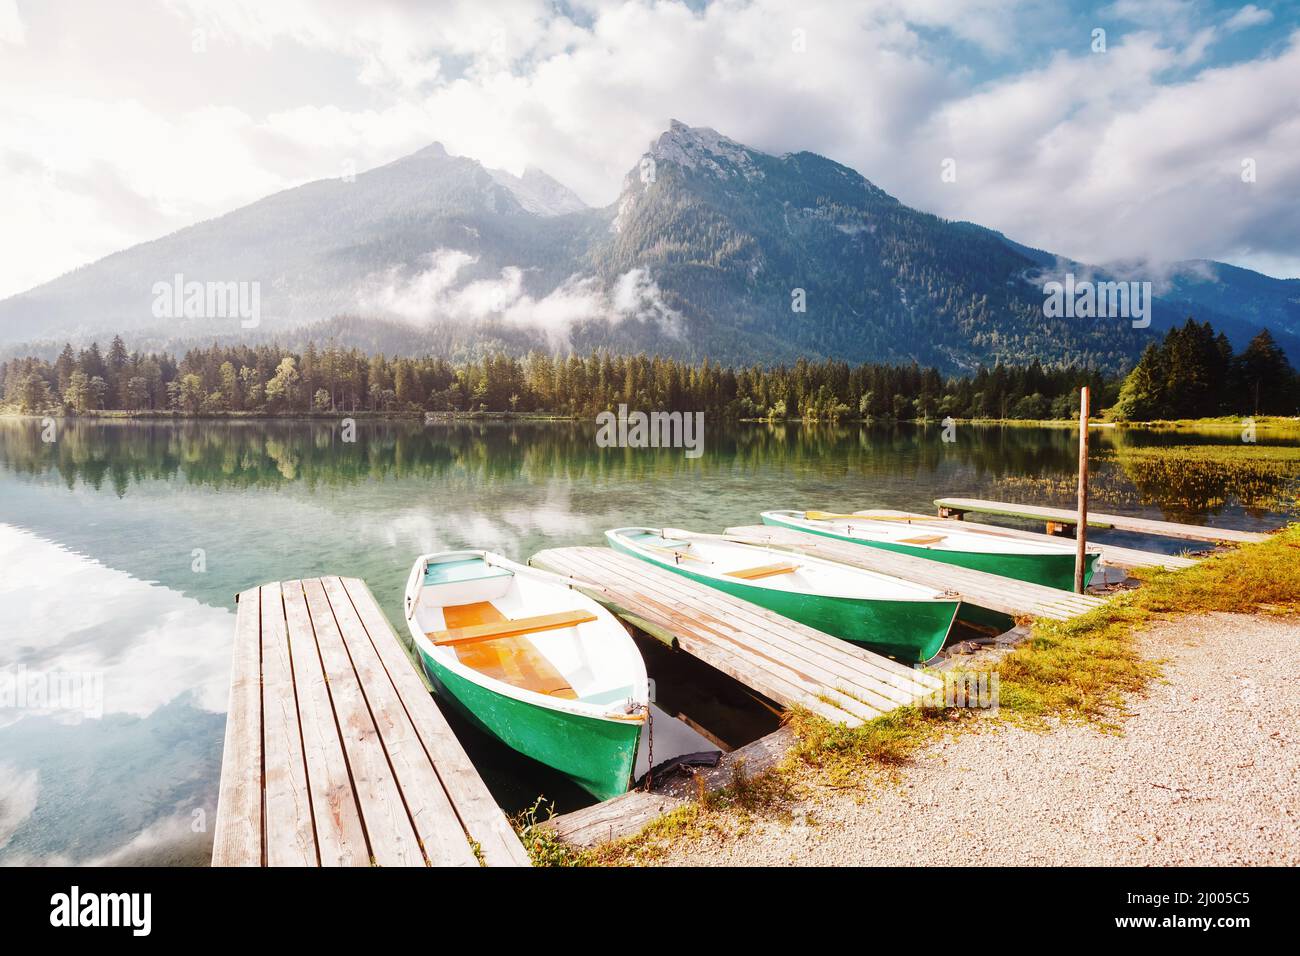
point(1193, 373)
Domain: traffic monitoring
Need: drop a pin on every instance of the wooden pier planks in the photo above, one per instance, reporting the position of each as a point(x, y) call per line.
point(335, 753)
point(780, 658)
point(955, 507)
point(630, 812)
point(992, 591)
point(1112, 555)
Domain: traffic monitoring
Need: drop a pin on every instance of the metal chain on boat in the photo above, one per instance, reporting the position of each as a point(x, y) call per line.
point(650, 731)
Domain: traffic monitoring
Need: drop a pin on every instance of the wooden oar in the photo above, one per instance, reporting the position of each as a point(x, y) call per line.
point(728, 538)
point(763, 571)
point(565, 579)
point(832, 516)
point(678, 554)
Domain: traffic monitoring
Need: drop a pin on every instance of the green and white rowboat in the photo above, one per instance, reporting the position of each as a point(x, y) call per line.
point(542, 668)
point(905, 620)
point(1040, 562)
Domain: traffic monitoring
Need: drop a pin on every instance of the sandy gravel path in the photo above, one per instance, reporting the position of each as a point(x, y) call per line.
point(1206, 771)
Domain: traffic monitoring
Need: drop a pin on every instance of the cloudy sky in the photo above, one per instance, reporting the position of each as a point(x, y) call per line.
point(120, 122)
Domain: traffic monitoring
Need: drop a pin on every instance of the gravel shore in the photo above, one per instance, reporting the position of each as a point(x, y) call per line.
point(1206, 771)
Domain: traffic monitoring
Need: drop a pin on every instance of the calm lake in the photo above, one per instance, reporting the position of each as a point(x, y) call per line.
point(123, 544)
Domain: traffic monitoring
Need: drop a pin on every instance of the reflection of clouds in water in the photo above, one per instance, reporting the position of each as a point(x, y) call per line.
point(102, 783)
point(170, 841)
point(69, 613)
point(504, 530)
point(17, 799)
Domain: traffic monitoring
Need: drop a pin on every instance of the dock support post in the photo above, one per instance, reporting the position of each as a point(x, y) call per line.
point(1081, 527)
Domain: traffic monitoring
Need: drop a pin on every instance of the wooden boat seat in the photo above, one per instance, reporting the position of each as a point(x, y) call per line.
point(509, 627)
point(763, 571)
point(923, 539)
point(507, 655)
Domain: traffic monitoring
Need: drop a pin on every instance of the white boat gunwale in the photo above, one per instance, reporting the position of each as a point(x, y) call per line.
point(614, 711)
point(997, 547)
point(919, 593)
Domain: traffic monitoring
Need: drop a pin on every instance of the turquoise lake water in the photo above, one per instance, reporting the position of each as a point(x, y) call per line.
point(124, 543)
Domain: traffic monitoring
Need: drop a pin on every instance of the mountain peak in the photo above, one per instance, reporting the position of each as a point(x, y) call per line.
point(701, 147)
point(538, 192)
point(432, 151)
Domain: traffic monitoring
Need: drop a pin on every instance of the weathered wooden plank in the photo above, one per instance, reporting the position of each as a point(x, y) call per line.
point(627, 814)
point(339, 834)
point(776, 635)
point(389, 830)
point(800, 655)
point(786, 661)
point(1111, 554)
point(697, 634)
point(749, 618)
point(720, 644)
point(324, 698)
point(480, 816)
point(1169, 529)
point(985, 590)
point(992, 591)
point(290, 827)
point(687, 608)
point(439, 830)
point(237, 837)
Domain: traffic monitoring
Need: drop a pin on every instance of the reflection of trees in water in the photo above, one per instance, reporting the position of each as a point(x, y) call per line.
point(1191, 480)
point(263, 454)
point(1013, 463)
point(1183, 481)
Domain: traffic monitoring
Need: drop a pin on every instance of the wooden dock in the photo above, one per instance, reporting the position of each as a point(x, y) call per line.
point(991, 591)
point(629, 813)
point(787, 661)
point(335, 752)
point(1113, 555)
point(1058, 518)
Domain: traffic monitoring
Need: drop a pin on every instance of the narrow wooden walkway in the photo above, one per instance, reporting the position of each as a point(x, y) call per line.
point(991, 591)
point(1052, 517)
point(780, 658)
point(335, 753)
point(1127, 558)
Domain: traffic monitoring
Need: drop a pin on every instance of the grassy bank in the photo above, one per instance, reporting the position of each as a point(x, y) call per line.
point(1077, 671)
point(1272, 423)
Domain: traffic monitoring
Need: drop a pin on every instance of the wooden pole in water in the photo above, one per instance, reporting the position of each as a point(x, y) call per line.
point(1081, 527)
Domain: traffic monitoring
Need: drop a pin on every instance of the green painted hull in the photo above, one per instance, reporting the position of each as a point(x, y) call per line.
point(912, 631)
point(1050, 570)
point(599, 755)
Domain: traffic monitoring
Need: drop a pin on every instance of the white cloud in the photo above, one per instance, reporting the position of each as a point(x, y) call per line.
point(11, 24)
point(1248, 16)
point(1096, 156)
point(438, 294)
